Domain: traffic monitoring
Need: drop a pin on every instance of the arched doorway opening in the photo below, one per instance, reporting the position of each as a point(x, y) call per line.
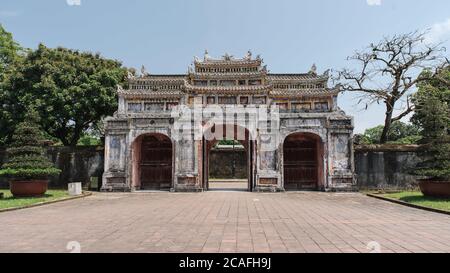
point(302, 162)
point(240, 138)
point(152, 162)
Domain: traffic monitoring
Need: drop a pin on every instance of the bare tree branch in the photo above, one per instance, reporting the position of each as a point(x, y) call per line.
point(392, 69)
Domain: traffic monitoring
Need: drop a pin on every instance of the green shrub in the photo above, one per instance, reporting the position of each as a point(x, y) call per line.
point(26, 159)
point(88, 140)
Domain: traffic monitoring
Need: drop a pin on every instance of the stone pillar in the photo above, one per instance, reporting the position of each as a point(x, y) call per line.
point(341, 164)
point(187, 154)
point(268, 173)
point(116, 151)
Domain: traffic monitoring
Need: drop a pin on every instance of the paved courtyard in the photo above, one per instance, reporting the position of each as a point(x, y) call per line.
point(223, 221)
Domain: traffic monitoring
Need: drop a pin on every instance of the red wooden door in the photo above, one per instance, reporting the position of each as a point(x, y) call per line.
point(300, 164)
point(156, 163)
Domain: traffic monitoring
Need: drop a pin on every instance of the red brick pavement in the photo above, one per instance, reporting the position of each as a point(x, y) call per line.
point(219, 221)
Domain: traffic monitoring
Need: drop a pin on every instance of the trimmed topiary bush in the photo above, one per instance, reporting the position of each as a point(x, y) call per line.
point(26, 158)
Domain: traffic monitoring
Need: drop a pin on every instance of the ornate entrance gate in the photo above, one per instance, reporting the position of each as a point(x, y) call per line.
point(156, 162)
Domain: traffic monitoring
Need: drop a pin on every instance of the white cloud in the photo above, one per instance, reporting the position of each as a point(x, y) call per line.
point(8, 13)
point(73, 2)
point(439, 32)
point(374, 2)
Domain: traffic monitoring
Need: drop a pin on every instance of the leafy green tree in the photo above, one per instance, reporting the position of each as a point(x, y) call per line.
point(10, 56)
point(399, 133)
point(71, 90)
point(433, 115)
point(433, 102)
point(26, 158)
point(9, 50)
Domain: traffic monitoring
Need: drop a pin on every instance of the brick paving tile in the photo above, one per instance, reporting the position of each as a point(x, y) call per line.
point(225, 221)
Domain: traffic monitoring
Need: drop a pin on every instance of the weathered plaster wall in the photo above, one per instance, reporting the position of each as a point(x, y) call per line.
point(77, 164)
point(376, 166)
point(221, 163)
point(385, 166)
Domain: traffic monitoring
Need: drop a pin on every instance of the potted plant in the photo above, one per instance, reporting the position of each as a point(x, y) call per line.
point(433, 116)
point(27, 167)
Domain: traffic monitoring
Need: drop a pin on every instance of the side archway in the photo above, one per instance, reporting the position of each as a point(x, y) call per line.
point(303, 162)
point(152, 162)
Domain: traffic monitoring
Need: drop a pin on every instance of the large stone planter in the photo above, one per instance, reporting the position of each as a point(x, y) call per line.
point(435, 188)
point(29, 188)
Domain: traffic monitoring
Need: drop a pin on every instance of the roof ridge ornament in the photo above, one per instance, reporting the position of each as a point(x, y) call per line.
point(248, 56)
point(144, 71)
point(206, 56)
point(264, 69)
point(313, 69)
point(130, 75)
point(227, 57)
point(190, 69)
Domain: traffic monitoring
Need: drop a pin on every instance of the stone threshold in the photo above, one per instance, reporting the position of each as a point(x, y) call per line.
point(226, 180)
point(407, 204)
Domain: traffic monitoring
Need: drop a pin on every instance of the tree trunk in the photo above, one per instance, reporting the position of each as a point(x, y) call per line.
point(387, 122)
point(75, 137)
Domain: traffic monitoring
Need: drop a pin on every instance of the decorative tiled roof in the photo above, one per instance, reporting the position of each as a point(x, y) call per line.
point(229, 68)
point(161, 77)
point(218, 75)
point(236, 89)
point(296, 77)
point(228, 60)
point(137, 94)
point(303, 92)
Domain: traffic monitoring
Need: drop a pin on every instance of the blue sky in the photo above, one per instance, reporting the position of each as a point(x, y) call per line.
point(165, 35)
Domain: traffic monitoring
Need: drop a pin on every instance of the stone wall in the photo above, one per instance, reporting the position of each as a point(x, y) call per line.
point(376, 166)
point(80, 164)
point(228, 163)
point(385, 166)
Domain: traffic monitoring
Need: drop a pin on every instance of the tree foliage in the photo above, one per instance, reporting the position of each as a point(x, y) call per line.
point(399, 133)
point(10, 56)
point(71, 90)
point(26, 159)
point(9, 50)
point(389, 71)
point(433, 115)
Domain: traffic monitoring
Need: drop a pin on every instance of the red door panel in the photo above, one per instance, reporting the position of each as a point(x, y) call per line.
point(156, 162)
point(300, 164)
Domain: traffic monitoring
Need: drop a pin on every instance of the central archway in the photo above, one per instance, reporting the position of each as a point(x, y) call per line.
point(212, 136)
point(152, 162)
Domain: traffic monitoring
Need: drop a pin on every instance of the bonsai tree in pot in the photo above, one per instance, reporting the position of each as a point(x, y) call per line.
point(433, 116)
point(27, 167)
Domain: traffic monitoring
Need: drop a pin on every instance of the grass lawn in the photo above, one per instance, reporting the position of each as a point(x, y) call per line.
point(417, 198)
point(10, 202)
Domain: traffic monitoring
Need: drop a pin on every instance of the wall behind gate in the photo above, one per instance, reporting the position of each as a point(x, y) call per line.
point(228, 163)
point(385, 166)
point(77, 164)
point(376, 166)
